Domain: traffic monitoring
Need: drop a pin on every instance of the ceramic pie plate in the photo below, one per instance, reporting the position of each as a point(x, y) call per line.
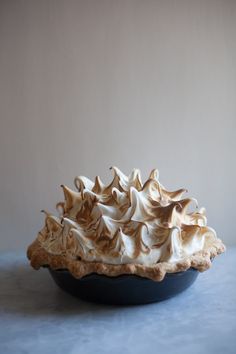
point(123, 289)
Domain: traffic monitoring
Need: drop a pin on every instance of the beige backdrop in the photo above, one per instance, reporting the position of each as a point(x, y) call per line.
point(89, 84)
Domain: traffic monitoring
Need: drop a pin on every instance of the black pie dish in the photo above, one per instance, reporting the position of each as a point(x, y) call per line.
point(124, 289)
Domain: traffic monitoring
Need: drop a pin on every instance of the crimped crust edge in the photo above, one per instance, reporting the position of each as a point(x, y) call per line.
point(201, 261)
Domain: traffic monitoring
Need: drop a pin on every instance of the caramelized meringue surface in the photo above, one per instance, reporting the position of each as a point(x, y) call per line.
point(126, 222)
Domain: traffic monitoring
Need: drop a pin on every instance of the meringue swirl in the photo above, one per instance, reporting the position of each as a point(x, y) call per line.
point(126, 222)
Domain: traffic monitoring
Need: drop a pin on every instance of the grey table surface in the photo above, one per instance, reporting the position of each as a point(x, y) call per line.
point(37, 317)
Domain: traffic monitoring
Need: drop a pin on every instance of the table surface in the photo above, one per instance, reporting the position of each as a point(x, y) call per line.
point(37, 317)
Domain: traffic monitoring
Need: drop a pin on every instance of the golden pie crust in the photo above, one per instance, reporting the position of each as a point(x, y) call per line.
point(201, 261)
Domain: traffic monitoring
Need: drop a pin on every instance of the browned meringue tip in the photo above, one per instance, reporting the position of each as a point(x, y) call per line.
point(154, 174)
point(45, 212)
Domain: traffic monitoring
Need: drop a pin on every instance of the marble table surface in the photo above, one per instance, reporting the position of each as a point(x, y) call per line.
point(37, 317)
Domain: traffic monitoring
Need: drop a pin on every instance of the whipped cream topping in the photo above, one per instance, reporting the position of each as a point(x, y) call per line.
point(126, 222)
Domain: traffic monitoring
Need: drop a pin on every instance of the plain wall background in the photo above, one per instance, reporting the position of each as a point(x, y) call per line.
point(89, 84)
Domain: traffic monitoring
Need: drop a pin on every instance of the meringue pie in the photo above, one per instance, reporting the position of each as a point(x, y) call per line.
point(126, 227)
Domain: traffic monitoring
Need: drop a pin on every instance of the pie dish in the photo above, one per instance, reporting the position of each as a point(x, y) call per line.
point(124, 289)
point(130, 228)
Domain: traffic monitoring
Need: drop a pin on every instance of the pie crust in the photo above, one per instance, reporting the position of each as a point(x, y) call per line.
point(201, 261)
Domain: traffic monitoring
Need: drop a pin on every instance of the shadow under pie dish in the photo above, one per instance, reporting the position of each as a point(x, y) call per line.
point(125, 243)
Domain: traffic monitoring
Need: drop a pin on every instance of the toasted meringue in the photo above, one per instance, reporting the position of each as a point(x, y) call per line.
point(126, 223)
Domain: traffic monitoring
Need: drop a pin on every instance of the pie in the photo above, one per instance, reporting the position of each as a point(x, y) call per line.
point(126, 227)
